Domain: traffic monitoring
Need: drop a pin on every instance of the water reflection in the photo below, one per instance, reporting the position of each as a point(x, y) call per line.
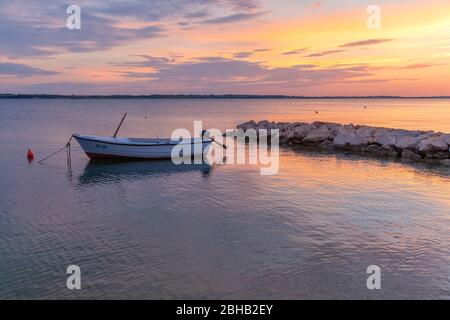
point(100, 172)
point(432, 167)
point(153, 230)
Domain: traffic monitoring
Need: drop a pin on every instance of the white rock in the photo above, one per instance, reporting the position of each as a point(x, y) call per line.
point(281, 126)
point(365, 131)
point(318, 135)
point(383, 136)
point(262, 124)
point(394, 142)
point(410, 141)
point(347, 135)
point(408, 154)
point(247, 125)
point(300, 132)
point(287, 134)
point(437, 142)
point(329, 125)
point(447, 138)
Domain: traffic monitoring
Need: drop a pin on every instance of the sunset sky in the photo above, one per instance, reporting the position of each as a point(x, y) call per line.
point(295, 47)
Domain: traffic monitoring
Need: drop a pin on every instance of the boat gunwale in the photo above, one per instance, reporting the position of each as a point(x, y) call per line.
point(138, 144)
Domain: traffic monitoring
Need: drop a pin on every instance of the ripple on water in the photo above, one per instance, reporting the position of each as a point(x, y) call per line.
point(155, 230)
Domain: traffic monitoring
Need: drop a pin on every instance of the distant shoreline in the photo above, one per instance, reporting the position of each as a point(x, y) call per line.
point(200, 96)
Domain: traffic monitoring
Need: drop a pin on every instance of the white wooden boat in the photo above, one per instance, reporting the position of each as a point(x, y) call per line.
point(97, 147)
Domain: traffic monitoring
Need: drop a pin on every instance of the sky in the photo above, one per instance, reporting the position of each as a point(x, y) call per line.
point(288, 47)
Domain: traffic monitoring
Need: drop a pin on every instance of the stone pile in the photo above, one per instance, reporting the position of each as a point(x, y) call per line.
point(384, 142)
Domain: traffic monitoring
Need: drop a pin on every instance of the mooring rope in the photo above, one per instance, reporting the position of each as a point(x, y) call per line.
point(222, 145)
point(66, 147)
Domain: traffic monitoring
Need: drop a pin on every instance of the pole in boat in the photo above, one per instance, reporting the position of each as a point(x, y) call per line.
point(120, 124)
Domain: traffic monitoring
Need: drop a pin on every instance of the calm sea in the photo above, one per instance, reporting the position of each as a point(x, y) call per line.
point(155, 230)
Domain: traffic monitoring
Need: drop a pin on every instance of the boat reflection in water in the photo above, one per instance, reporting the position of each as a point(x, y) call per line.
point(107, 172)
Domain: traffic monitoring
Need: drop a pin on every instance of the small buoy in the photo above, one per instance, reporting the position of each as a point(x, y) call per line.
point(30, 155)
point(317, 111)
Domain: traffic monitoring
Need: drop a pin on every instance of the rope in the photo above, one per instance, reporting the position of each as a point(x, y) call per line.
point(214, 140)
point(66, 147)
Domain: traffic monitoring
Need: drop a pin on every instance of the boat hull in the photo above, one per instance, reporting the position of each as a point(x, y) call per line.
point(111, 148)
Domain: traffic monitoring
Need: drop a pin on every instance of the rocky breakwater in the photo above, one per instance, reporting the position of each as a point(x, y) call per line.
point(381, 142)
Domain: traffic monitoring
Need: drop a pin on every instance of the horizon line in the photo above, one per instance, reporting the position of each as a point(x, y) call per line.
point(200, 96)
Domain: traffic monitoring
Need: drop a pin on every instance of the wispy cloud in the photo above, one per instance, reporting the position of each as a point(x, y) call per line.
point(298, 51)
point(158, 10)
point(196, 14)
point(22, 70)
point(235, 17)
point(421, 65)
point(97, 33)
point(140, 45)
point(218, 72)
point(36, 28)
point(324, 53)
point(364, 43)
point(243, 54)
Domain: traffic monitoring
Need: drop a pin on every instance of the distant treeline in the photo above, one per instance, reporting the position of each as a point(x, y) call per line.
point(198, 96)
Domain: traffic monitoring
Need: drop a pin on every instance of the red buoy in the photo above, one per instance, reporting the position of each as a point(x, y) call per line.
point(30, 155)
